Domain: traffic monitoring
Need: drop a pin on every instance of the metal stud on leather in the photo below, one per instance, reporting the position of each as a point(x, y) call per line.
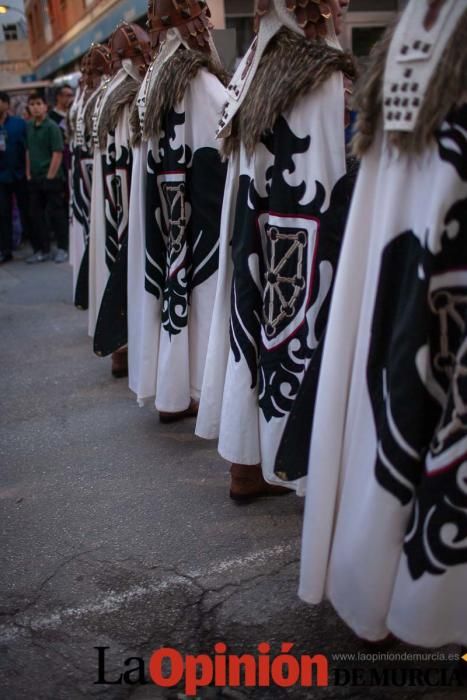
point(190, 17)
point(311, 15)
point(95, 64)
point(129, 41)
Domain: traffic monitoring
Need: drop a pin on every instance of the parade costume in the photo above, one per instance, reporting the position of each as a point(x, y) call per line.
point(71, 128)
point(96, 68)
point(282, 225)
point(177, 188)
point(385, 529)
point(102, 248)
point(130, 56)
point(80, 177)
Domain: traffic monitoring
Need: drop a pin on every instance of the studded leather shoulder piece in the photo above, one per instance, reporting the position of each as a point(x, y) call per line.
point(130, 41)
point(415, 53)
point(190, 17)
point(311, 15)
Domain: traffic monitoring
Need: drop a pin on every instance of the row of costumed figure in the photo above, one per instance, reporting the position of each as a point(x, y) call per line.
point(325, 350)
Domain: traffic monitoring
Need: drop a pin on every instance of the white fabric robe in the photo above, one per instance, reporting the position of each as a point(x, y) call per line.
point(81, 186)
point(230, 398)
point(98, 271)
point(113, 163)
point(164, 363)
point(143, 334)
point(385, 529)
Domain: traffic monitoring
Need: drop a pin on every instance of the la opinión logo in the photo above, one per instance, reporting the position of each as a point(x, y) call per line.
point(168, 668)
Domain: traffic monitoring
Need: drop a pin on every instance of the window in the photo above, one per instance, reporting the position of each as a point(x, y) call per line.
point(244, 32)
point(10, 32)
point(363, 29)
point(364, 38)
point(46, 22)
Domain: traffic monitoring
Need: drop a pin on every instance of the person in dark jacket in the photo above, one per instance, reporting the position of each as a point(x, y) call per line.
point(12, 176)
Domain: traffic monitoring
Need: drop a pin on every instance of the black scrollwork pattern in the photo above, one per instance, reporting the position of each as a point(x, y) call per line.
point(452, 141)
point(116, 171)
point(81, 189)
point(416, 374)
point(184, 200)
point(284, 253)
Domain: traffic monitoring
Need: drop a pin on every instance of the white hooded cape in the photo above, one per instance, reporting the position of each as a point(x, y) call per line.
point(110, 202)
point(177, 184)
point(385, 529)
point(250, 383)
point(81, 186)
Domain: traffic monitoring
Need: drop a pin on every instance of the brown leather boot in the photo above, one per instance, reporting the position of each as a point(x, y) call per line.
point(247, 483)
point(120, 363)
point(190, 412)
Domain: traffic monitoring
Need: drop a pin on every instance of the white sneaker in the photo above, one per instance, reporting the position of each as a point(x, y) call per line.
point(61, 256)
point(38, 258)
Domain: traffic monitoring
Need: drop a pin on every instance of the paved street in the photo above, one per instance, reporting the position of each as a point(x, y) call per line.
point(117, 531)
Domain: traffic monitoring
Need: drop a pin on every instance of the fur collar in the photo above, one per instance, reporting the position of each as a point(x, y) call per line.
point(448, 88)
point(123, 94)
point(170, 85)
point(135, 127)
point(290, 67)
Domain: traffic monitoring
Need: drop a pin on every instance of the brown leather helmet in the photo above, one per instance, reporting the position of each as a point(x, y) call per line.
point(311, 15)
point(96, 63)
point(130, 41)
point(190, 17)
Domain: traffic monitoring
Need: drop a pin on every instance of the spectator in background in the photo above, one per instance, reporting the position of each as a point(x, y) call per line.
point(64, 96)
point(47, 183)
point(12, 176)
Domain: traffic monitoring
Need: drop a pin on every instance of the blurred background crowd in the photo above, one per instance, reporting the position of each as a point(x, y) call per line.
point(41, 46)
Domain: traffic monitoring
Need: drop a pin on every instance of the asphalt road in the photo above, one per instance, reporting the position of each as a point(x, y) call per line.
point(118, 532)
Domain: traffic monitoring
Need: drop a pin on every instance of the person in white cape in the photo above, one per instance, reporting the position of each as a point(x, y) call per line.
point(96, 70)
point(283, 218)
point(176, 198)
point(385, 528)
point(71, 130)
point(130, 57)
point(96, 270)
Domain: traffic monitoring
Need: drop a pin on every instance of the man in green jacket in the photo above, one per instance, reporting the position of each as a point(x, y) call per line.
point(47, 183)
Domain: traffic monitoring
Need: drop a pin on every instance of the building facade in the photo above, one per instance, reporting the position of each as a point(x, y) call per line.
point(366, 20)
point(61, 31)
point(15, 53)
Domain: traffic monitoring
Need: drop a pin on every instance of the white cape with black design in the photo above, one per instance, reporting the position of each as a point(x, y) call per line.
point(109, 210)
point(273, 278)
point(80, 188)
point(385, 529)
point(177, 187)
